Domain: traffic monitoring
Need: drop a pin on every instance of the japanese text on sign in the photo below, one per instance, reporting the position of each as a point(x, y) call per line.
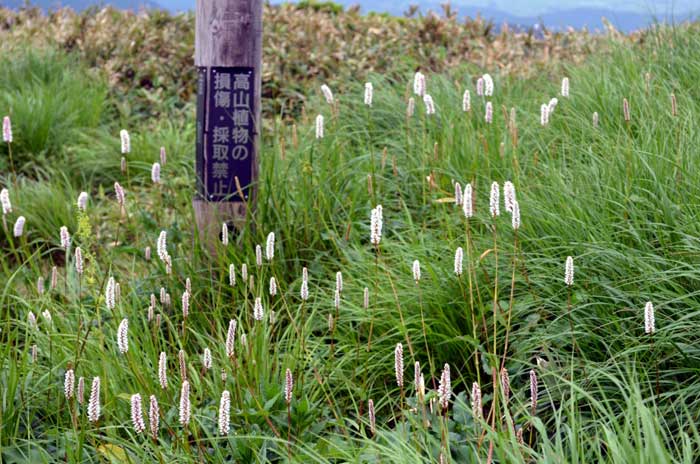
point(228, 134)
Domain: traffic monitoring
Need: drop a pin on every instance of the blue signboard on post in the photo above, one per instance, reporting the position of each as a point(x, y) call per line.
point(226, 133)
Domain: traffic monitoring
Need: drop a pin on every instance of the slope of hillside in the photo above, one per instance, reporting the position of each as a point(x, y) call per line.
point(153, 52)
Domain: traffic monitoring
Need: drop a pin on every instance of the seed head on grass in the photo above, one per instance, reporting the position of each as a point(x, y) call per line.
point(480, 86)
point(494, 200)
point(544, 114)
point(288, 386)
point(19, 226)
point(78, 260)
point(162, 247)
point(5, 201)
point(319, 126)
point(626, 110)
point(6, 129)
point(477, 409)
point(365, 298)
point(649, 321)
point(224, 412)
point(416, 271)
point(327, 94)
point(258, 310)
point(69, 384)
point(445, 388)
point(244, 272)
point(458, 194)
point(110, 293)
point(185, 406)
point(304, 292)
point(515, 218)
point(565, 87)
point(270, 246)
point(419, 84)
point(137, 414)
point(595, 119)
point(410, 107)
point(429, 104)
point(163, 370)
point(185, 304)
point(505, 384)
point(376, 223)
point(372, 417)
point(273, 286)
point(126, 141)
point(181, 357)
point(258, 255)
point(466, 101)
point(206, 359)
point(468, 201)
point(122, 336)
point(569, 271)
point(81, 390)
point(93, 409)
point(459, 257)
point(119, 194)
point(231, 338)
point(552, 105)
point(488, 85)
point(508, 196)
point(488, 112)
point(224, 234)
point(533, 392)
point(153, 416)
point(231, 275)
point(163, 156)
point(398, 364)
point(155, 173)
point(369, 93)
point(416, 374)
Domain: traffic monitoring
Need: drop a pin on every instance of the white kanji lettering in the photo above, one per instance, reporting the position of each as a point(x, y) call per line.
point(241, 82)
point(220, 135)
point(222, 99)
point(220, 152)
point(239, 135)
point(222, 81)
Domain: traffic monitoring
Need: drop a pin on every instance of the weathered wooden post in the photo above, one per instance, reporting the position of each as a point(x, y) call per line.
point(228, 56)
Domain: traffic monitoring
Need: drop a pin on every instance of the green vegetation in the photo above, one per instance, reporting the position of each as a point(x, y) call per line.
point(147, 58)
point(620, 198)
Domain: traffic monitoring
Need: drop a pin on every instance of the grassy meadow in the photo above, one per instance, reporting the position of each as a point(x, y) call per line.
point(494, 351)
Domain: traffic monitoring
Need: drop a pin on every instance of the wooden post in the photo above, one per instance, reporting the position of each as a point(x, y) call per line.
point(228, 56)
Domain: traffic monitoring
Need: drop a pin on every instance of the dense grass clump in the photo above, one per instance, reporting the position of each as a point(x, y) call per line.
point(490, 319)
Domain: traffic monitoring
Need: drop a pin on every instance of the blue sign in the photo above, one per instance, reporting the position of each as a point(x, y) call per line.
point(226, 132)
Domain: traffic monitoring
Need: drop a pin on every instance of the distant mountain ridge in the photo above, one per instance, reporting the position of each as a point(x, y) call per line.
point(82, 4)
point(567, 15)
